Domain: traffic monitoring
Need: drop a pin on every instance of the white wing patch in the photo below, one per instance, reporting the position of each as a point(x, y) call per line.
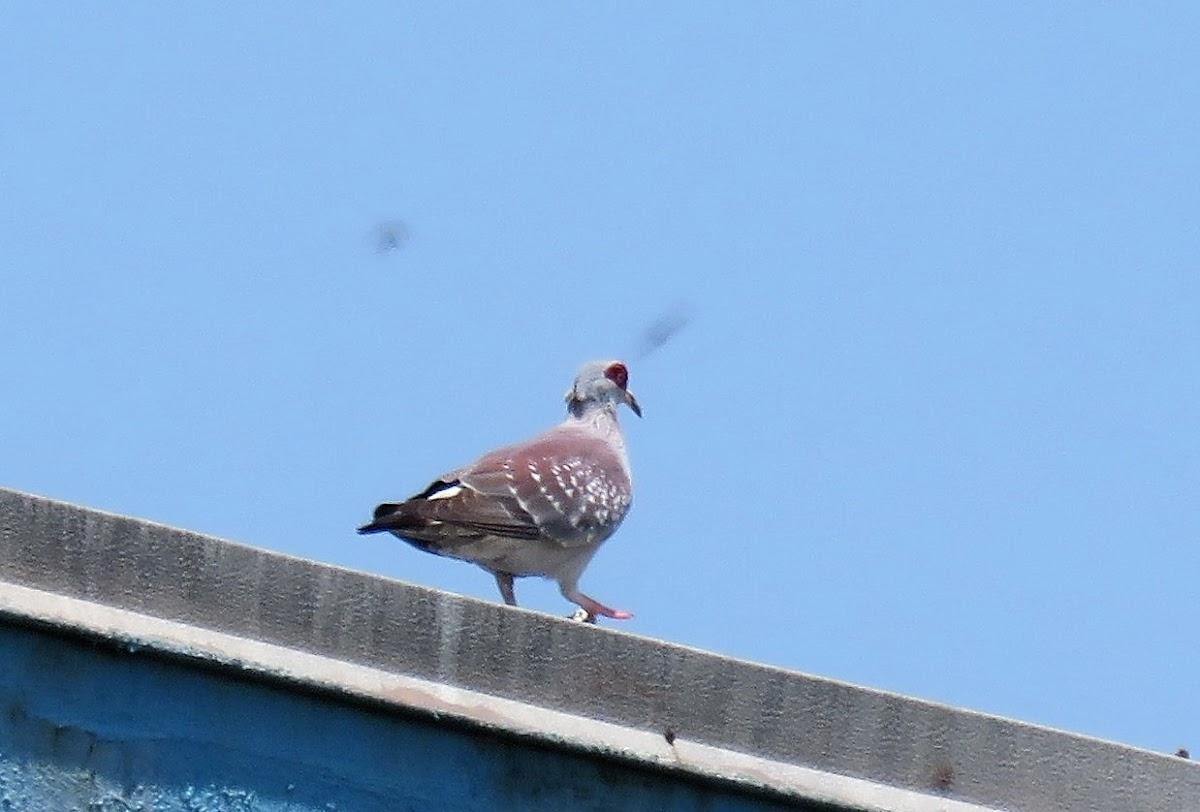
point(446, 493)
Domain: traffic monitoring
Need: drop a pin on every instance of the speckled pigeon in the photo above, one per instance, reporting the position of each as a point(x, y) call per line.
point(541, 507)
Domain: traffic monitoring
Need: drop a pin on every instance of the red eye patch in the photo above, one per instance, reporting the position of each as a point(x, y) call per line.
point(618, 374)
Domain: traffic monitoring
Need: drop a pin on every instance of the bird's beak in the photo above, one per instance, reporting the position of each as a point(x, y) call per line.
point(633, 404)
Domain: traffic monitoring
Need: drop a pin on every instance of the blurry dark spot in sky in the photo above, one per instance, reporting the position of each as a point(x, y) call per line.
point(390, 235)
point(662, 330)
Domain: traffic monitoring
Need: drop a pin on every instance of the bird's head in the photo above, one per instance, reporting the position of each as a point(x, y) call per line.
point(601, 383)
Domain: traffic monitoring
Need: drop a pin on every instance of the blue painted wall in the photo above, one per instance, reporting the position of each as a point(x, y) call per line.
point(88, 726)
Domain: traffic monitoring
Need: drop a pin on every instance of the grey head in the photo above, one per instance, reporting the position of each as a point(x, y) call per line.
point(601, 384)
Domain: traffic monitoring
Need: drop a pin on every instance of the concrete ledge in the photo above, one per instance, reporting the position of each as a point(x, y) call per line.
point(371, 639)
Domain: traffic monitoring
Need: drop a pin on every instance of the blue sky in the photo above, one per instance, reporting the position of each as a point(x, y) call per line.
point(932, 427)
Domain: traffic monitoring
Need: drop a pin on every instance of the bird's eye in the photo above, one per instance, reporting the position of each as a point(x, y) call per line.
point(618, 374)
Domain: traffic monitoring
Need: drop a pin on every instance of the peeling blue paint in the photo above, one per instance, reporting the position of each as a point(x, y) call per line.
point(90, 727)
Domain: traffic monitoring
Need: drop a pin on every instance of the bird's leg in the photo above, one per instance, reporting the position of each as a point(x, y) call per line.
point(594, 607)
point(505, 582)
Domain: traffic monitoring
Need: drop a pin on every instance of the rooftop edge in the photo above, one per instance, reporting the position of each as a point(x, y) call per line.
point(421, 650)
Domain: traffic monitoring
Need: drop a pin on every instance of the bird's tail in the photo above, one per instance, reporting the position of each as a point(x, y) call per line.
point(388, 516)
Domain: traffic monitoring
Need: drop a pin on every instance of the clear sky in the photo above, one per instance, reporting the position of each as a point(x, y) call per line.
point(932, 427)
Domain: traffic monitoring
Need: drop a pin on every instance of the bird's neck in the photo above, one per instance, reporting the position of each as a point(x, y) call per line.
point(600, 417)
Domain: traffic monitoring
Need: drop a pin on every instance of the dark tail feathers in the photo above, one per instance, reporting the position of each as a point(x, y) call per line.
point(388, 516)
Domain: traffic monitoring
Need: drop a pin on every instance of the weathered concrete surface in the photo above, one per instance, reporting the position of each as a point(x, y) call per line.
point(245, 610)
point(98, 728)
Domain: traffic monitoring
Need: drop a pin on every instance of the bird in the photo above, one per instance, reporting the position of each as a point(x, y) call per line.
point(541, 507)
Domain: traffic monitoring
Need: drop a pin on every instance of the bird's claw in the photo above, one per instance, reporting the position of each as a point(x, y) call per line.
point(582, 615)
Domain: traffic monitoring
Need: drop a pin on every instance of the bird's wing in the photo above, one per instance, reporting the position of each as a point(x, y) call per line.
point(449, 513)
point(570, 483)
point(564, 486)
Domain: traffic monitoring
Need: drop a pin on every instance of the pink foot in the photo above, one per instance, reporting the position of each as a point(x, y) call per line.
point(594, 607)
